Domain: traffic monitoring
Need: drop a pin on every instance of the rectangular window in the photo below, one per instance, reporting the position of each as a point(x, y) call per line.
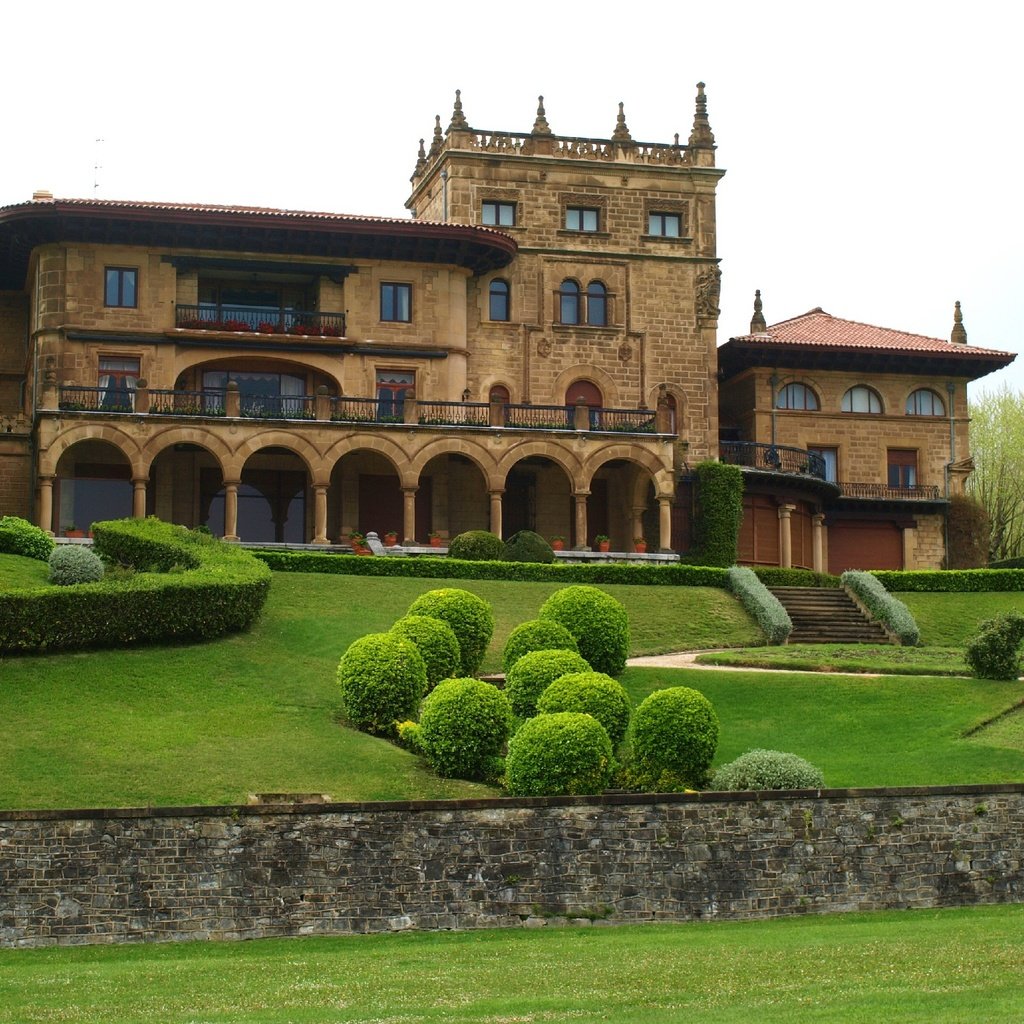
point(392, 386)
point(396, 302)
point(902, 466)
point(830, 456)
point(665, 225)
point(121, 287)
point(500, 215)
point(581, 218)
point(118, 379)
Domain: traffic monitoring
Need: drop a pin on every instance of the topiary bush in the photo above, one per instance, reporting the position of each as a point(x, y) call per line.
point(527, 546)
point(767, 769)
point(74, 563)
point(598, 623)
point(382, 678)
point(534, 672)
point(994, 651)
point(436, 642)
point(720, 512)
point(476, 546)
point(470, 617)
point(464, 724)
point(674, 737)
point(19, 537)
point(590, 693)
point(566, 752)
point(890, 611)
point(536, 635)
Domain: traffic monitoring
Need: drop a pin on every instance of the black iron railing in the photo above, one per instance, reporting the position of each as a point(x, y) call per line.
point(778, 458)
point(361, 410)
point(627, 421)
point(540, 417)
point(278, 407)
point(453, 414)
point(915, 492)
point(164, 402)
point(74, 398)
point(309, 322)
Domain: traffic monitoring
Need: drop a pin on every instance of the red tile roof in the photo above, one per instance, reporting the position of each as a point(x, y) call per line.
point(819, 329)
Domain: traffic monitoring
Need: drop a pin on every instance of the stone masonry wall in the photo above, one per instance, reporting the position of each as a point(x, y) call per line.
point(76, 877)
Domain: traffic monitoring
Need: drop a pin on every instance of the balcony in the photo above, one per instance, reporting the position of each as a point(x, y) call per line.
point(775, 458)
point(883, 492)
point(298, 322)
point(410, 412)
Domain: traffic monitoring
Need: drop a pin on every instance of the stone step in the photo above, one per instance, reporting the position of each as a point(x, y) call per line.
point(827, 615)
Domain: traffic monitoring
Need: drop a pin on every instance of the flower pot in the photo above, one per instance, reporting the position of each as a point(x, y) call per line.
point(74, 533)
point(363, 551)
point(558, 545)
point(640, 547)
point(604, 545)
point(390, 539)
point(435, 542)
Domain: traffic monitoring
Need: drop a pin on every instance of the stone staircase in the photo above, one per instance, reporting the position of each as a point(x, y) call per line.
point(823, 615)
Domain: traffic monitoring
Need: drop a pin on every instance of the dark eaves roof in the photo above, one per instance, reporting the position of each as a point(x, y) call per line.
point(818, 340)
point(241, 228)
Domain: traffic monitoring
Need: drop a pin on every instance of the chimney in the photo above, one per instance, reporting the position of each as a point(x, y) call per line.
point(42, 195)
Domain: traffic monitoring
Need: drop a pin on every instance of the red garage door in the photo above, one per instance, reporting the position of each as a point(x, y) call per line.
point(759, 531)
point(864, 544)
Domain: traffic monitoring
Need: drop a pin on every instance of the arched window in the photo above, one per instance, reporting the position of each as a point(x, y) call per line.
point(500, 295)
point(584, 392)
point(862, 399)
point(797, 396)
point(924, 402)
point(569, 302)
point(499, 393)
point(597, 304)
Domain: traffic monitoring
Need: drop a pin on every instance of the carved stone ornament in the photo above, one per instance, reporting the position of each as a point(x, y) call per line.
point(544, 348)
point(708, 287)
point(50, 372)
point(625, 352)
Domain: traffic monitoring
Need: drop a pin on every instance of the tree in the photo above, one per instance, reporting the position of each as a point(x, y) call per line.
point(997, 445)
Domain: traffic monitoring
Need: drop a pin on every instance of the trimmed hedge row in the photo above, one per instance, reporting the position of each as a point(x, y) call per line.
point(950, 581)
point(674, 575)
point(883, 606)
point(771, 576)
point(761, 604)
point(215, 589)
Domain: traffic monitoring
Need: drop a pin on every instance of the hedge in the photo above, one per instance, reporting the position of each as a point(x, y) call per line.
point(890, 611)
point(19, 537)
point(761, 604)
point(216, 588)
point(772, 576)
point(427, 567)
point(950, 581)
point(720, 498)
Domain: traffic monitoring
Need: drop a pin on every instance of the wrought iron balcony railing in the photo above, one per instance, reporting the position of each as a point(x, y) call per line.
point(914, 492)
point(778, 458)
point(306, 322)
point(78, 399)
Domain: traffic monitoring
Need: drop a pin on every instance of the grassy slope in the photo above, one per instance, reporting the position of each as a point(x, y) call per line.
point(915, 966)
point(892, 659)
point(949, 619)
point(18, 572)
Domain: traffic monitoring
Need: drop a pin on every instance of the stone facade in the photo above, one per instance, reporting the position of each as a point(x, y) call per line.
point(77, 877)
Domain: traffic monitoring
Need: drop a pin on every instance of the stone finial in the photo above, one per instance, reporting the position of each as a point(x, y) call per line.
point(757, 324)
point(421, 160)
point(621, 133)
point(959, 335)
point(438, 140)
point(540, 125)
point(701, 137)
point(459, 122)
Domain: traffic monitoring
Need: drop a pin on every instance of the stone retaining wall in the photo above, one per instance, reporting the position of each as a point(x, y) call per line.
point(72, 877)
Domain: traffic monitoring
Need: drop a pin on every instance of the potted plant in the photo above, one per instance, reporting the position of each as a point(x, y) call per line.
point(435, 539)
point(639, 545)
point(557, 543)
point(73, 531)
point(391, 538)
point(603, 542)
point(358, 542)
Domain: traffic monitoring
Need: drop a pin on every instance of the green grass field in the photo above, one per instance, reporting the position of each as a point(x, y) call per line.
point(941, 967)
point(885, 658)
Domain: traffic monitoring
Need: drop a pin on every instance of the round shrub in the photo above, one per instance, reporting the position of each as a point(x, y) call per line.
point(554, 754)
point(436, 642)
point(767, 769)
point(675, 733)
point(597, 621)
point(382, 678)
point(73, 563)
point(463, 726)
point(994, 651)
point(536, 635)
point(470, 617)
point(590, 693)
point(476, 546)
point(527, 546)
point(534, 672)
point(19, 537)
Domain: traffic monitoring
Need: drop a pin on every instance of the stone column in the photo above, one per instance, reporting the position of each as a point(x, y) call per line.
point(409, 515)
point(580, 499)
point(46, 504)
point(496, 512)
point(910, 548)
point(139, 497)
point(817, 541)
point(232, 400)
point(786, 536)
point(636, 523)
point(231, 510)
point(320, 514)
point(665, 525)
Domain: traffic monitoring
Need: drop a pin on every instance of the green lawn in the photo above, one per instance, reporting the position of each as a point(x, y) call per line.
point(948, 620)
point(16, 573)
point(887, 658)
point(941, 967)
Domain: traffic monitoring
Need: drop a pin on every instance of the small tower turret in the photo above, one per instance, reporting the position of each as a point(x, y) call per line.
point(621, 133)
point(540, 125)
point(959, 335)
point(702, 139)
point(757, 323)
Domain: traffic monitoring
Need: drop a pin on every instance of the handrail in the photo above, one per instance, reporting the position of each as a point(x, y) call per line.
point(778, 458)
point(304, 322)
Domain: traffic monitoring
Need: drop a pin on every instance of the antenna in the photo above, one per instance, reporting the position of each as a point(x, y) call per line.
point(97, 167)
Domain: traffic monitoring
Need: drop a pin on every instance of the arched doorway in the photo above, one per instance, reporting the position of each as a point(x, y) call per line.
point(538, 496)
point(93, 482)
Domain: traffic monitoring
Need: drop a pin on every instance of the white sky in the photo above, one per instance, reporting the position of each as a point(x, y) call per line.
point(873, 150)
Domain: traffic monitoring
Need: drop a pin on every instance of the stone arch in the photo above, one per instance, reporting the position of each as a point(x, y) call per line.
point(120, 439)
point(472, 450)
point(380, 444)
point(569, 464)
point(661, 474)
point(312, 457)
point(204, 438)
point(325, 364)
point(603, 379)
point(494, 380)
